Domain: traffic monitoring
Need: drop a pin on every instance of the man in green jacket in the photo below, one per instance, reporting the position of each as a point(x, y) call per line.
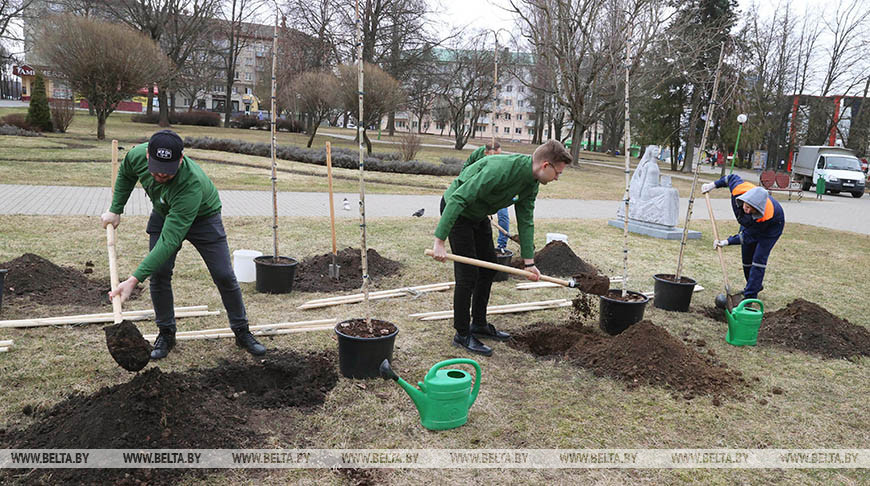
point(186, 206)
point(480, 190)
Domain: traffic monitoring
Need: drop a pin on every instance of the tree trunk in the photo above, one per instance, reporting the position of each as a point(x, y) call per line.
point(101, 124)
point(163, 118)
point(391, 123)
point(575, 146)
point(367, 141)
point(150, 109)
point(228, 103)
point(311, 137)
point(172, 103)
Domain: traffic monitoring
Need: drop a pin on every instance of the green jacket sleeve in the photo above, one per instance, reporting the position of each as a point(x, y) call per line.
point(184, 207)
point(525, 211)
point(478, 154)
point(462, 197)
point(124, 184)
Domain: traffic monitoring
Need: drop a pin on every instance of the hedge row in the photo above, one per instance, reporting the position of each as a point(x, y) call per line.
point(19, 132)
point(344, 158)
point(195, 117)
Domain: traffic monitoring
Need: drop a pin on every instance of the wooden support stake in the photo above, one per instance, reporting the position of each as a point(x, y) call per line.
point(260, 327)
point(4, 350)
point(6, 344)
point(275, 332)
point(502, 310)
point(96, 319)
point(353, 299)
point(380, 292)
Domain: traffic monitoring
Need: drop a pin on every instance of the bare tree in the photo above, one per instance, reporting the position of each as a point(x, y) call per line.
point(9, 11)
point(198, 73)
point(382, 95)
point(104, 62)
point(317, 93)
point(580, 41)
point(465, 79)
point(234, 32)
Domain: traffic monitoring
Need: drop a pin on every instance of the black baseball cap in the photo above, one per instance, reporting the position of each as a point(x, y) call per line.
point(164, 152)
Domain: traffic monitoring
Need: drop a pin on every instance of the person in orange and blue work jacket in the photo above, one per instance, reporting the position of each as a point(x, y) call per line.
point(761, 221)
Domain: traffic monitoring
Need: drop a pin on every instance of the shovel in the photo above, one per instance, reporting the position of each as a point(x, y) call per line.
point(126, 344)
point(728, 302)
point(514, 238)
point(591, 284)
point(333, 267)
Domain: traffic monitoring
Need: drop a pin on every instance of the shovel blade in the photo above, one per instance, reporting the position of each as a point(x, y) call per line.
point(127, 346)
point(334, 271)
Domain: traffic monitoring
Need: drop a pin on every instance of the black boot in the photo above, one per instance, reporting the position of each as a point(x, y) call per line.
point(471, 343)
point(163, 344)
point(244, 339)
point(489, 331)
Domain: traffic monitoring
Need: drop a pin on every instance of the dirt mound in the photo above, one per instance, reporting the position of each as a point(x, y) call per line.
point(809, 327)
point(712, 312)
point(645, 354)
point(200, 409)
point(33, 280)
point(558, 260)
point(312, 274)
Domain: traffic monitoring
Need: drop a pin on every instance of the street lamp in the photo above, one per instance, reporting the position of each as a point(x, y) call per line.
point(741, 119)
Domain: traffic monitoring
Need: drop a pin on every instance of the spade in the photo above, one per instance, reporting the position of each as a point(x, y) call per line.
point(126, 344)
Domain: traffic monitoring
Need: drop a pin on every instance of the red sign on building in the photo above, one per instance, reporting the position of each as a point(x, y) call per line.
point(24, 70)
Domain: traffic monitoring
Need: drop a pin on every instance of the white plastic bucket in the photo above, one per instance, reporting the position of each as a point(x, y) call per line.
point(556, 237)
point(243, 265)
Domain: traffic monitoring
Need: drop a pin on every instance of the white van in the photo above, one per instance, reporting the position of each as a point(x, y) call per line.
point(839, 166)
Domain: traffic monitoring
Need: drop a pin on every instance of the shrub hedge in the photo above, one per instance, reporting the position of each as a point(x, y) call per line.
point(197, 117)
point(341, 157)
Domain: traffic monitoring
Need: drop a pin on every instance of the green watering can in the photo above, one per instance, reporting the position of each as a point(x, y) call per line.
point(743, 323)
point(445, 395)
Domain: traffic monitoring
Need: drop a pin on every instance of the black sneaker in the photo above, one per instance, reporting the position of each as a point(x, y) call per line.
point(244, 339)
point(163, 344)
point(489, 331)
point(471, 343)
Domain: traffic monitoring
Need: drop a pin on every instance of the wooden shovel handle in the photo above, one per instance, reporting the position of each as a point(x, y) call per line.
point(331, 202)
point(500, 268)
point(719, 249)
point(110, 243)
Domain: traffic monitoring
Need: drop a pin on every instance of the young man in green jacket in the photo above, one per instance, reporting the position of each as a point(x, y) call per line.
point(504, 220)
point(186, 206)
point(480, 190)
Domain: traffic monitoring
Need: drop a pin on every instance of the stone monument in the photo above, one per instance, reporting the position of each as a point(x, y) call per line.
point(655, 205)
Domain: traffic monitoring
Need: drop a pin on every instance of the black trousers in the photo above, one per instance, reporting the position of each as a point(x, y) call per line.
point(209, 238)
point(471, 239)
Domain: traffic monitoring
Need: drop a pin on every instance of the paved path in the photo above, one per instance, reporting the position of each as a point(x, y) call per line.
point(836, 212)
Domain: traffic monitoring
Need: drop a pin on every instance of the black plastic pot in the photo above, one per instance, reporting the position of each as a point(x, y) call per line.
point(673, 296)
point(2, 283)
point(360, 357)
point(616, 316)
point(275, 278)
point(502, 259)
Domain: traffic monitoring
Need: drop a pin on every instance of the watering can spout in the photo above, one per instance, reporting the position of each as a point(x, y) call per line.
point(416, 395)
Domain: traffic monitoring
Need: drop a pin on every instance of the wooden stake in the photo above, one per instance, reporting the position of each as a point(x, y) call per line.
point(4, 350)
point(71, 319)
point(499, 309)
point(260, 327)
point(331, 202)
point(58, 321)
point(710, 107)
point(276, 332)
point(384, 294)
point(362, 185)
point(7, 344)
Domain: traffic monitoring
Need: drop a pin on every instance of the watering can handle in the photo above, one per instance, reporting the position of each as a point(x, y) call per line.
point(448, 362)
point(743, 303)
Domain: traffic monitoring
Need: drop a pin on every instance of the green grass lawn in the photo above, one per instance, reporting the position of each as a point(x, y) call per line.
point(77, 158)
point(524, 402)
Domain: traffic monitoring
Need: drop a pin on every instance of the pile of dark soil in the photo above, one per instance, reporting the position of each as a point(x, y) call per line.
point(127, 346)
point(644, 354)
point(312, 274)
point(558, 260)
point(808, 327)
point(359, 328)
point(712, 312)
point(201, 409)
point(32, 280)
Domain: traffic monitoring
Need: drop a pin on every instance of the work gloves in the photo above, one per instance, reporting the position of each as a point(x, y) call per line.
point(719, 243)
point(705, 188)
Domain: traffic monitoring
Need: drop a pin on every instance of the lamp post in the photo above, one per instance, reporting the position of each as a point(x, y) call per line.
point(741, 119)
